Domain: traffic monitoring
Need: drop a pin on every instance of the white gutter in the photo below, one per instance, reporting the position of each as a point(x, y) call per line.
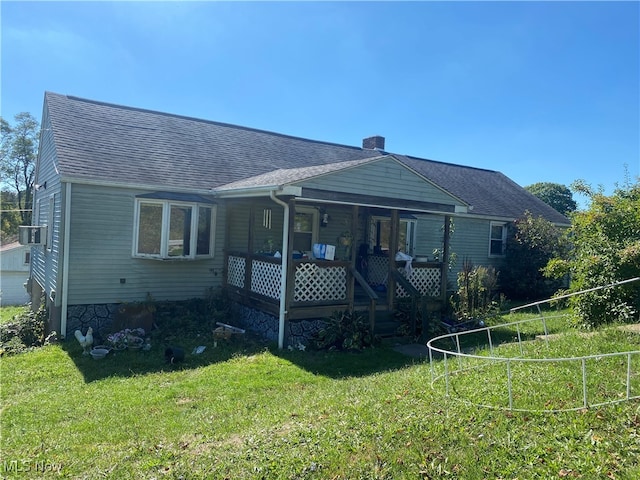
point(259, 191)
point(65, 261)
point(285, 268)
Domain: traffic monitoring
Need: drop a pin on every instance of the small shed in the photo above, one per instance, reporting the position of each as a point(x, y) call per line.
point(14, 272)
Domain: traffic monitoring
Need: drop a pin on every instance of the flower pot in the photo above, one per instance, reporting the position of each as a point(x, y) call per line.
point(98, 353)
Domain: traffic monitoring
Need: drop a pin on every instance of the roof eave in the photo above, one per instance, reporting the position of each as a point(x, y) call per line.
point(259, 191)
point(133, 185)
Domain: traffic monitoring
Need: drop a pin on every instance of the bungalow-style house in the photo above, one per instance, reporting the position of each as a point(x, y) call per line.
point(134, 202)
point(14, 272)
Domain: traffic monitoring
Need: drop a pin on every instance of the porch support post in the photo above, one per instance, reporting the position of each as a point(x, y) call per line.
point(227, 244)
point(355, 243)
point(249, 263)
point(393, 249)
point(444, 268)
point(252, 212)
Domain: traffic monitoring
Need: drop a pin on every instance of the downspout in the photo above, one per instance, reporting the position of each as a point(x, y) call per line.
point(285, 268)
point(65, 261)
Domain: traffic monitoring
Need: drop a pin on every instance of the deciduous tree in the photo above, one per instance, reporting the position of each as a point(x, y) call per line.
point(18, 150)
point(555, 195)
point(606, 240)
point(532, 242)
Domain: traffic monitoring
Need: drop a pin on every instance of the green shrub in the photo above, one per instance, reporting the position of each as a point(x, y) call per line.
point(607, 250)
point(532, 242)
point(345, 330)
point(24, 332)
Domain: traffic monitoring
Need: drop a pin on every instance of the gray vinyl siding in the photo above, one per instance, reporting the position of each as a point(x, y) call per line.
point(238, 227)
point(470, 241)
point(340, 218)
point(46, 260)
point(429, 235)
point(385, 178)
point(240, 213)
point(101, 254)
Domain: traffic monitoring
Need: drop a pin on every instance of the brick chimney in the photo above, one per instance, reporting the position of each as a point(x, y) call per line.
point(373, 143)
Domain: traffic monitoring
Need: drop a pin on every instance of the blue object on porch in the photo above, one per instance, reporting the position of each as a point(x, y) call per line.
point(319, 250)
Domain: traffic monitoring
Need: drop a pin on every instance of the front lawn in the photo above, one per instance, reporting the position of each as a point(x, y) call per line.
point(243, 411)
point(7, 313)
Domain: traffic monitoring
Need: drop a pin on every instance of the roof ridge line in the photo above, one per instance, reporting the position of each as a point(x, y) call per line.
point(450, 164)
point(202, 120)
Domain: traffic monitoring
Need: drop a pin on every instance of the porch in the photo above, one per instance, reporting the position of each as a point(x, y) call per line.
point(317, 288)
point(275, 269)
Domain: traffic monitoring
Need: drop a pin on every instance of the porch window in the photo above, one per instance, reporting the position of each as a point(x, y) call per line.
point(497, 239)
point(165, 229)
point(305, 229)
point(380, 234)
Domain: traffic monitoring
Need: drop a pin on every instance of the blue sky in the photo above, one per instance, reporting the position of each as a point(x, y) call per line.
point(541, 91)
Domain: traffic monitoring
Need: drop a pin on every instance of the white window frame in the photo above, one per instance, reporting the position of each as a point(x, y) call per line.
point(503, 239)
point(164, 238)
point(410, 227)
point(315, 222)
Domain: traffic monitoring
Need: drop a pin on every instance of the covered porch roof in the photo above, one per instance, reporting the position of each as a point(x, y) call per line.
point(364, 182)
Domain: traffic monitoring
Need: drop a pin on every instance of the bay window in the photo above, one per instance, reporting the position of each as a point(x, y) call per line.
point(168, 229)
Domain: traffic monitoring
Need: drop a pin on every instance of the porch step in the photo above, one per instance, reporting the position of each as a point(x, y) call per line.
point(386, 326)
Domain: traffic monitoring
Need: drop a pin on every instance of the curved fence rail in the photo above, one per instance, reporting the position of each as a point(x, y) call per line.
point(515, 367)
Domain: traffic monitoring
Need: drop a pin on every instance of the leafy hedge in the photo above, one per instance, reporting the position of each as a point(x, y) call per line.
point(606, 240)
point(24, 332)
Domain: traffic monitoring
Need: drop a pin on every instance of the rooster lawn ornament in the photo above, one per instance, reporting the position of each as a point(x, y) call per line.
point(85, 340)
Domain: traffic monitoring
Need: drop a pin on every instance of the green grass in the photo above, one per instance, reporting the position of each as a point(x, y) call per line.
point(243, 411)
point(8, 312)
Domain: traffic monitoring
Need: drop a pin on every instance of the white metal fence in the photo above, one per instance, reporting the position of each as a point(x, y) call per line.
point(514, 367)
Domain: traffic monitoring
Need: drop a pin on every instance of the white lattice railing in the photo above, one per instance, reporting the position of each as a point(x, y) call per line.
point(377, 269)
point(265, 278)
point(235, 271)
point(314, 282)
point(425, 279)
point(322, 281)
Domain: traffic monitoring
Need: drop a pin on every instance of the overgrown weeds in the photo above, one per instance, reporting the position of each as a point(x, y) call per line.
point(24, 332)
point(345, 330)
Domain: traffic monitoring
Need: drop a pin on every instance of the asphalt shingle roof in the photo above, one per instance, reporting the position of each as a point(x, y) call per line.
point(125, 145)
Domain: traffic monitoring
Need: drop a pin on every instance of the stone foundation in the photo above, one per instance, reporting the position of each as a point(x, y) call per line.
point(296, 333)
point(99, 317)
point(102, 319)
